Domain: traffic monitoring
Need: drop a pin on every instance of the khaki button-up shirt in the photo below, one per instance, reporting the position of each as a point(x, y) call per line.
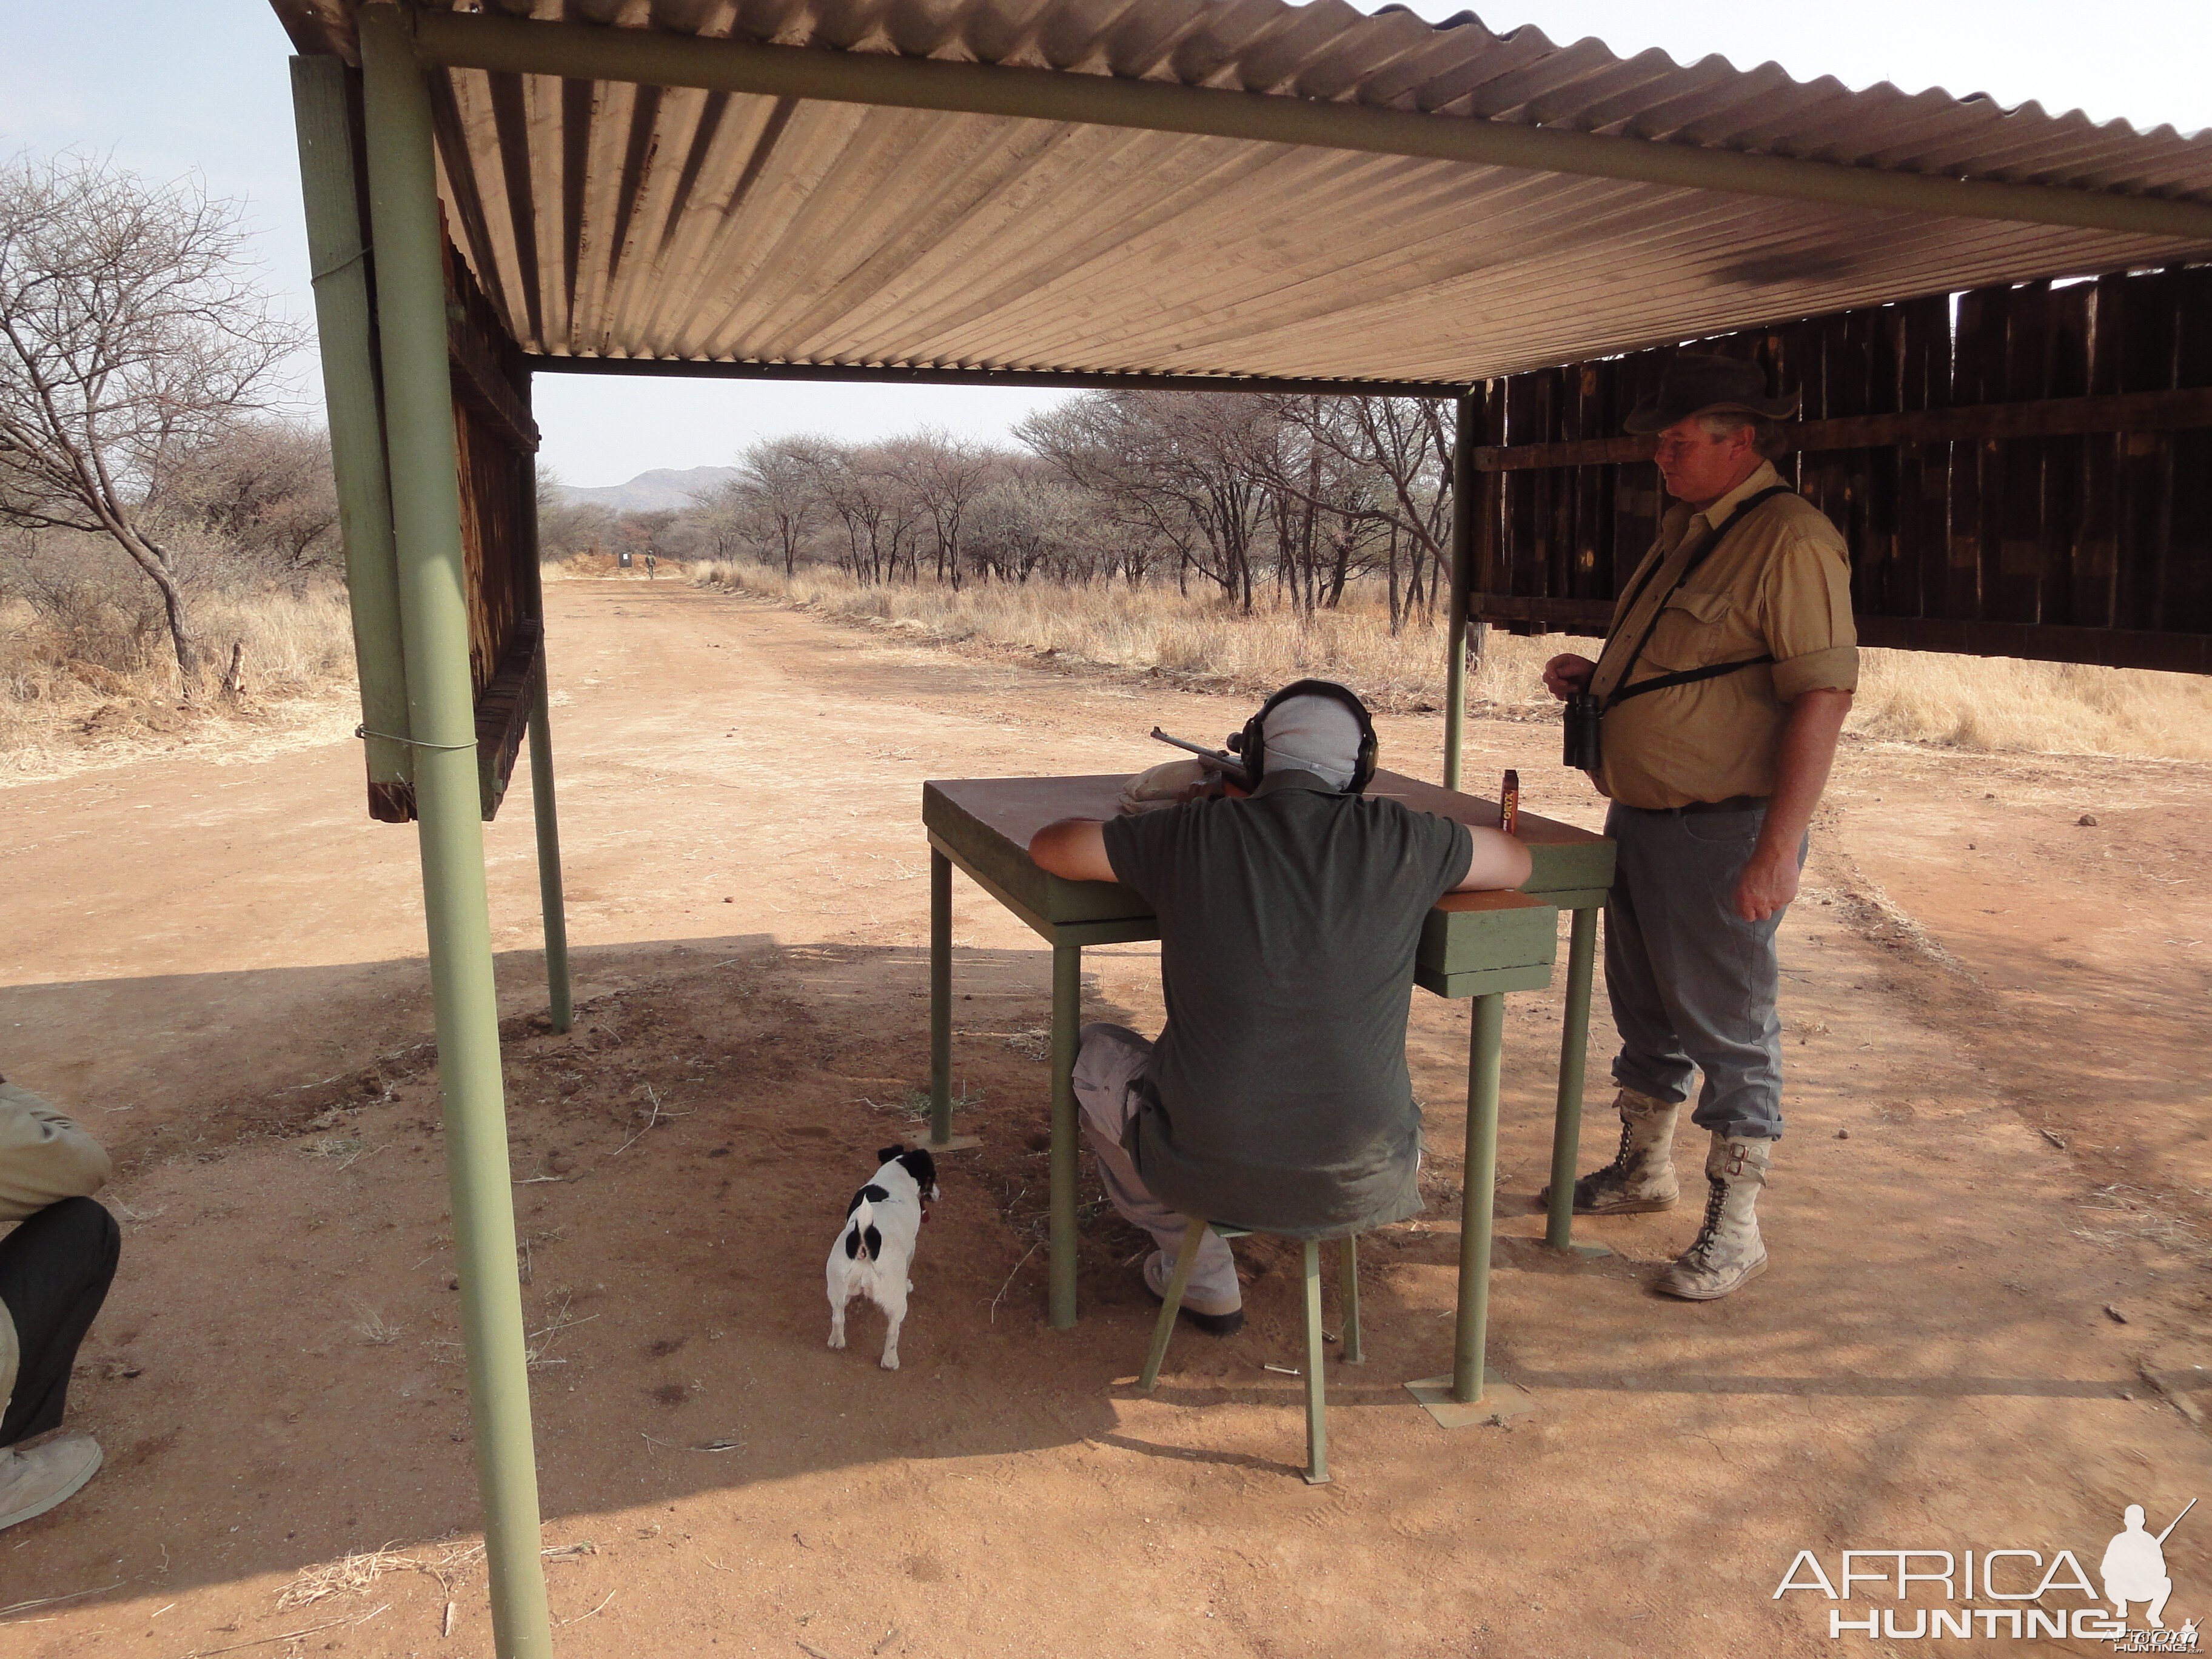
point(1778, 585)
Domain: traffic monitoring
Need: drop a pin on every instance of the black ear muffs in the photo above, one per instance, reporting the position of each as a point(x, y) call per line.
point(1250, 746)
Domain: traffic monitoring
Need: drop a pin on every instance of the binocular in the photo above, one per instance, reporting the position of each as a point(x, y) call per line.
point(1583, 716)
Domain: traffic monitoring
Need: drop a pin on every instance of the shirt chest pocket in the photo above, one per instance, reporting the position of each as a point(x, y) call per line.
point(1695, 629)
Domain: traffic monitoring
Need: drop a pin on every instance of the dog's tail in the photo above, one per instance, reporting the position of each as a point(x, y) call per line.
point(864, 1240)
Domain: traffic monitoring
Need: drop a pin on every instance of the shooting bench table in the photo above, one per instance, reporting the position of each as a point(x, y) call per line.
point(1478, 945)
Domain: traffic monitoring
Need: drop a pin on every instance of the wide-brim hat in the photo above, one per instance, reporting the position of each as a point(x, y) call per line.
point(1698, 383)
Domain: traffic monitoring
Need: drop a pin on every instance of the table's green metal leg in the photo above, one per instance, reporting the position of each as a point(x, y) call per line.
point(1316, 1381)
point(1477, 1200)
point(1066, 1017)
point(940, 999)
point(1574, 1044)
point(1354, 1353)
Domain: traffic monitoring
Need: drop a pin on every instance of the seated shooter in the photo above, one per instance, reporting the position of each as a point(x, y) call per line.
point(1277, 1097)
point(55, 1268)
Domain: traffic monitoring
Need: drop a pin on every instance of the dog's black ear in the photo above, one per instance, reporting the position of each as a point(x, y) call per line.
point(921, 1166)
point(887, 1154)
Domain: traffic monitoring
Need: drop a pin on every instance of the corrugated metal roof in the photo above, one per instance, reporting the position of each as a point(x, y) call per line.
point(613, 220)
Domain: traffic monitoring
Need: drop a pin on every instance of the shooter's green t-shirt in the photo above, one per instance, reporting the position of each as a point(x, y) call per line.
point(1277, 1097)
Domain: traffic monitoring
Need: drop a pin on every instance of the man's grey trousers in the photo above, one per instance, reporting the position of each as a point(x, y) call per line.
point(1108, 1061)
point(1691, 983)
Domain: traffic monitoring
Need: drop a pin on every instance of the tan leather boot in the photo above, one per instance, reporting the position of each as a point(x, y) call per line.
point(1729, 1252)
point(1642, 1174)
point(34, 1479)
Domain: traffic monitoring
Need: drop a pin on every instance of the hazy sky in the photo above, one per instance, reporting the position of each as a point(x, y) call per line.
point(168, 88)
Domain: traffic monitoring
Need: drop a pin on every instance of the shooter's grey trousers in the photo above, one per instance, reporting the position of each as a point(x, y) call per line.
point(1692, 984)
point(1108, 1061)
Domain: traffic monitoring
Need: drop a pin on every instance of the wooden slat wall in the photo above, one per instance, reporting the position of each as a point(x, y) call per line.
point(2090, 546)
point(496, 442)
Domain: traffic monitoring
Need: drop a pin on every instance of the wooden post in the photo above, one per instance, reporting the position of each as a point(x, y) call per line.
point(411, 284)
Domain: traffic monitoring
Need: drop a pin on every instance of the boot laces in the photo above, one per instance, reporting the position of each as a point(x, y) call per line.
point(1715, 1197)
point(1621, 1154)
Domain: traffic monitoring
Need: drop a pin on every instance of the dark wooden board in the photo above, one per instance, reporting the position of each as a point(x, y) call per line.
point(2026, 466)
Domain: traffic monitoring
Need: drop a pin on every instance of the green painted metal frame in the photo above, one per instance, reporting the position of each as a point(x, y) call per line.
point(325, 106)
point(552, 905)
point(1488, 945)
point(408, 237)
point(1462, 586)
point(667, 59)
point(1316, 1379)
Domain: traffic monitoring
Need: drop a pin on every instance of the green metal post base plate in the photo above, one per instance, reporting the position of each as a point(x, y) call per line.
point(1500, 1399)
point(1591, 1251)
point(956, 1143)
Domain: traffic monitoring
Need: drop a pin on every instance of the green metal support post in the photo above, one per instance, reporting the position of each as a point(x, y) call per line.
point(337, 251)
point(558, 989)
point(1567, 1119)
point(1477, 1198)
point(560, 994)
point(940, 999)
point(408, 238)
point(1066, 1020)
point(1462, 583)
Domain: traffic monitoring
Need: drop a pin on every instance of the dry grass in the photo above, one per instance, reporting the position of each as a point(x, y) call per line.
point(60, 711)
point(2001, 704)
point(1198, 638)
point(1985, 704)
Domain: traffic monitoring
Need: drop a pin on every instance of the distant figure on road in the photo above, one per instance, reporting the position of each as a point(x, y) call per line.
point(55, 1269)
point(2134, 1570)
point(1277, 1097)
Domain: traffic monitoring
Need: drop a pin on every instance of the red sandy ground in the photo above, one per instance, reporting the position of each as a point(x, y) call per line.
point(1987, 1221)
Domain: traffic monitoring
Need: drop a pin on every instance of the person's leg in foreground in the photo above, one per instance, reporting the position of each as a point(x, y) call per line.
point(55, 1269)
point(1107, 1061)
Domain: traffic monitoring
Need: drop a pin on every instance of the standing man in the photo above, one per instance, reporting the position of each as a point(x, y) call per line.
point(1718, 697)
point(1277, 1097)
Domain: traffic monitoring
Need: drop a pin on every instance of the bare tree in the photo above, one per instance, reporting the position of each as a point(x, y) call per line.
point(1388, 461)
point(779, 480)
point(132, 327)
point(946, 475)
point(1174, 466)
point(264, 490)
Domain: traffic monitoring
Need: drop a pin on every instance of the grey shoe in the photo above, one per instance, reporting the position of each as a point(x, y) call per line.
point(1729, 1253)
point(34, 1480)
point(1215, 1320)
point(1641, 1177)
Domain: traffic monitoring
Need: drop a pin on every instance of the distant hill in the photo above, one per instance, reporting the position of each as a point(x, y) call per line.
point(664, 490)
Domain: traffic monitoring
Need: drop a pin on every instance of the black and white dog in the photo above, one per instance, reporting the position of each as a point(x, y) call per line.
point(875, 1248)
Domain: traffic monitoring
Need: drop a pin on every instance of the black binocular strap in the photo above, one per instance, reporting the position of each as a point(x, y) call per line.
point(1687, 677)
point(1620, 692)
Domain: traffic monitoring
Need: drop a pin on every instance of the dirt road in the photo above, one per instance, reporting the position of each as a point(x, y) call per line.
point(1987, 1218)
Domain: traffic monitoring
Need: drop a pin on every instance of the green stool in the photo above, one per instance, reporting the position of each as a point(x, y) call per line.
point(1194, 1233)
